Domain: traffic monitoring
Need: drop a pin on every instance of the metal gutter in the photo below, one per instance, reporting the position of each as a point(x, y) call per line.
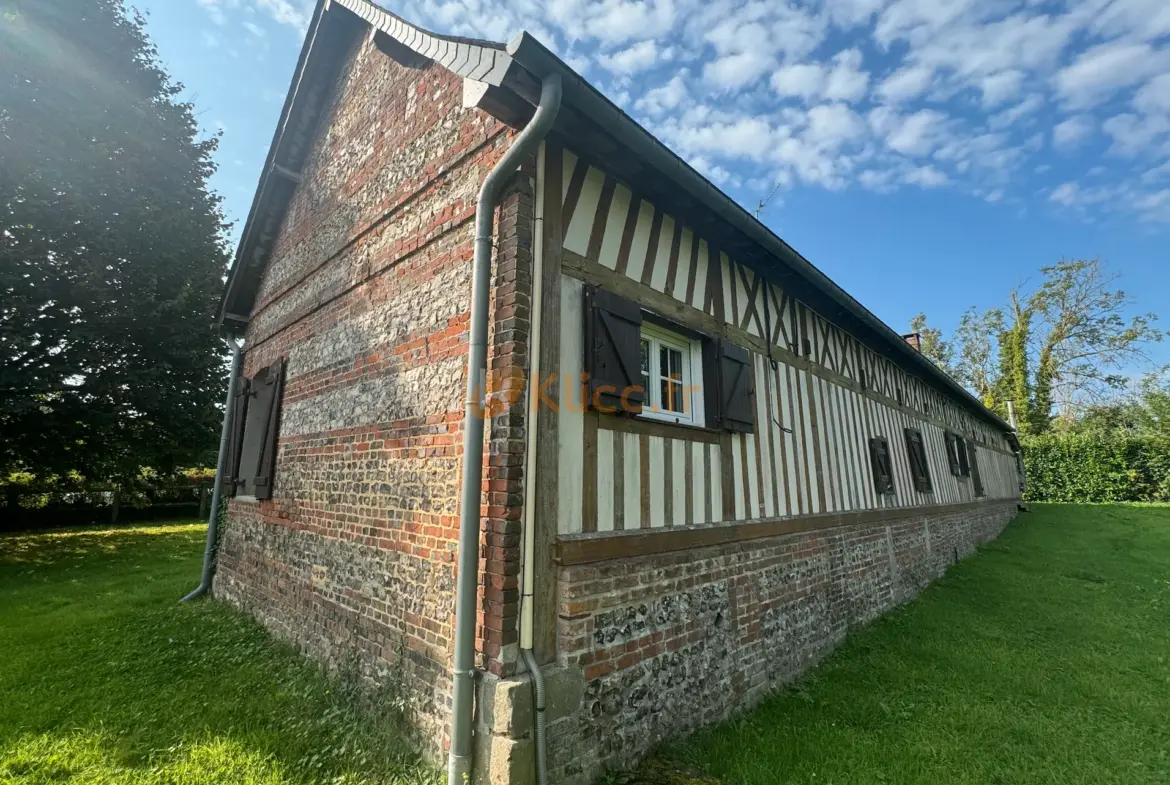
point(237, 347)
point(459, 761)
point(579, 93)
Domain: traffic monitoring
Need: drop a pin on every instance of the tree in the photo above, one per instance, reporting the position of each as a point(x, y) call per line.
point(112, 249)
point(1063, 346)
point(932, 344)
point(1143, 411)
point(1085, 341)
point(1014, 383)
point(975, 366)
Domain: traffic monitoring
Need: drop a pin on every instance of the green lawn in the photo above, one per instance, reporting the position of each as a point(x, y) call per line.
point(1045, 659)
point(105, 679)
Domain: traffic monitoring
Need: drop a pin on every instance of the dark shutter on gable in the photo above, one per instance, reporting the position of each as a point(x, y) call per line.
point(879, 459)
point(260, 429)
point(976, 479)
point(919, 469)
point(266, 461)
point(613, 350)
point(729, 377)
point(953, 443)
point(238, 415)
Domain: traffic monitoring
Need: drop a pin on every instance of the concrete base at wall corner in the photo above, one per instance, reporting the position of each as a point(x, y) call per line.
point(505, 752)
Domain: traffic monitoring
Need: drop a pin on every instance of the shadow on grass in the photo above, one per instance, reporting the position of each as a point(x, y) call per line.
point(105, 678)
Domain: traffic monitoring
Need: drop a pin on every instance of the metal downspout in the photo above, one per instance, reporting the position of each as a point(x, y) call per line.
point(204, 586)
point(459, 762)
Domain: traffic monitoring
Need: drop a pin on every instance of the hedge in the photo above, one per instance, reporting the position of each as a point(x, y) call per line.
point(1097, 468)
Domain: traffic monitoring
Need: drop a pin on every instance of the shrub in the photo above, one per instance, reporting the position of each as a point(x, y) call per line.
point(1097, 467)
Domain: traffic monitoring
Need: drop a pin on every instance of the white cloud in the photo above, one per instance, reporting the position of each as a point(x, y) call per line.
point(802, 80)
point(975, 95)
point(926, 176)
point(217, 9)
point(1154, 96)
point(833, 124)
point(736, 70)
point(917, 134)
point(844, 80)
point(618, 21)
point(1141, 19)
point(1001, 86)
point(906, 83)
point(666, 97)
point(1071, 132)
point(847, 81)
point(287, 12)
point(1012, 115)
point(295, 13)
point(1065, 194)
point(1098, 72)
point(638, 57)
point(1134, 135)
point(210, 40)
point(255, 29)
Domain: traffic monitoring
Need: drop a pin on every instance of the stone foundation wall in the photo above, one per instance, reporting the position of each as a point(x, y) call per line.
point(653, 648)
point(367, 296)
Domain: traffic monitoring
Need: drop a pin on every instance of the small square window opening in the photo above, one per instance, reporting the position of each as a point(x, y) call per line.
point(668, 365)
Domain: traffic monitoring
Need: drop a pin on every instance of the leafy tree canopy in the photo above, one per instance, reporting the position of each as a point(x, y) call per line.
point(112, 249)
point(1060, 348)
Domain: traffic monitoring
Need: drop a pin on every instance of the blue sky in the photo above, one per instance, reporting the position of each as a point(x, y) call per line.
point(926, 154)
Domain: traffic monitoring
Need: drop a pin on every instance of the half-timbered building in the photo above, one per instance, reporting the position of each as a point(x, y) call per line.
point(703, 463)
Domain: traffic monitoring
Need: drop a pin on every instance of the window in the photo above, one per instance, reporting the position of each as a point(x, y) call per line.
point(919, 468)
point(254, 429)
point(667, 364)
point(879, 459)
point(636, 365)
point(957, 454)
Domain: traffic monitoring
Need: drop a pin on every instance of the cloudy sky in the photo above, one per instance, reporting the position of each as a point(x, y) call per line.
point(926, 154)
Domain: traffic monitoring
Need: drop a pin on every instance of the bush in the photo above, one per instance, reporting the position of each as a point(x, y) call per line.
point(1097, 467)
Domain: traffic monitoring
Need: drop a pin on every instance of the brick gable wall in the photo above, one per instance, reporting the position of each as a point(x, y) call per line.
point(367, 295)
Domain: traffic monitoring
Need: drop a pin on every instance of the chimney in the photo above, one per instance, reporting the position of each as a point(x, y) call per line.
point(914, 339)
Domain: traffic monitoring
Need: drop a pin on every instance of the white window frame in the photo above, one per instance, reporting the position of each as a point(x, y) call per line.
point(692, 355)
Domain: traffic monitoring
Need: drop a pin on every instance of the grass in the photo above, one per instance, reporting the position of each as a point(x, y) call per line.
point(1046, 659)
point(105, 679)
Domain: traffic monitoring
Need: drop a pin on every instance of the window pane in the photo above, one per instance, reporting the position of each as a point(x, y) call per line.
point(676, 397)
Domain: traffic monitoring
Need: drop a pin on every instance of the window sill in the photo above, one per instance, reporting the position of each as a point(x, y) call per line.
point(654, 426)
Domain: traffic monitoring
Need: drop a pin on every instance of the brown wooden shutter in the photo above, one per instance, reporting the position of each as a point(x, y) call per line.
point(258, 429)
point(613, 349)
point(952, 442)
point(730, 378)
point(238, 414)
point(976, 479)
point(919, 469)
point(266, 461)
point(879, 459)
